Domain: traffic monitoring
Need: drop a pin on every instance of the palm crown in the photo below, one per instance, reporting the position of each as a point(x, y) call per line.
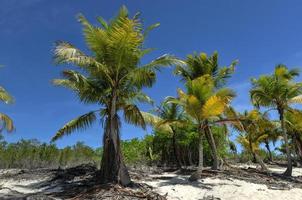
point(113, 69)
point(197, 65)
point(277, 90)
point(201, 101)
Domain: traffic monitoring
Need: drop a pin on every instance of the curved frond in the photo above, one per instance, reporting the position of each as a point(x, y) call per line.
point(156, 122)
point(296, 99)
point(79, 123)
point(214, 106)
point(5, 96)
point(7, 123)
point(134, 116)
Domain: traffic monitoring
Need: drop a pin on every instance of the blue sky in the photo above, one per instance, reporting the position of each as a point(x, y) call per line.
point(258, 33)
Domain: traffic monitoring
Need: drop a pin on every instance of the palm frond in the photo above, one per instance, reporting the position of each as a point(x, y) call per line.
point(156, 122)
point(7, 123)
point(296, 99)
point(79, 123)
point(214, 106)
point(5, 96)
point(134, 116)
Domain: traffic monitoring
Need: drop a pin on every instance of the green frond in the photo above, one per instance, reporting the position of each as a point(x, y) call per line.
point(5, 96)
point(164, 60)
point(150, 28)
point(139, 97)
point(79, 123)
point(134, 116)
point(142, 77)
point(103, 22)
point(156, 122)
point(7, 123)
point(65, 83)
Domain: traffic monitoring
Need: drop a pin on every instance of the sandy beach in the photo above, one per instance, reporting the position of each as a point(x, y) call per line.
point(17, 184)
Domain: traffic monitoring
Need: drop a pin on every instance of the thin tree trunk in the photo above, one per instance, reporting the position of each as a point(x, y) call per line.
point(196, 175)
point(200, 155)
point(257, 158)
point(190, 158)
point(252, 151)
point(260, 162)
point(113, 169)
point(270, 156)
point(213, 147)
point(289, 169)
point(178, 162)
point(298, 143)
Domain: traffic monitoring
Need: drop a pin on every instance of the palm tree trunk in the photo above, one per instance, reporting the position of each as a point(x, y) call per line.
point(190, 157)
point(252, 151)
point(298, 144)
point(200, 151)
point(196, 175)
point(289, 169)
point(113, 169)
point(270, 156)
point(261, 163)
point(257, 158)
point(213, 147)
point(178, 162)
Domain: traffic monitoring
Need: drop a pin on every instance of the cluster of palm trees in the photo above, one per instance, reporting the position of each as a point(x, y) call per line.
point(112, 76)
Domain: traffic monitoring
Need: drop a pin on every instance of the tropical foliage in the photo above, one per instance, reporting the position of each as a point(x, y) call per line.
point(277, 92)
point(112, 78)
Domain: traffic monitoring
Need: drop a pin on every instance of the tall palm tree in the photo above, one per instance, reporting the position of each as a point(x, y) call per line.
point(277, 91)
point(168, 118)
point(203, 105)
point(111, 77)
point(294, 127)
point(197, 65)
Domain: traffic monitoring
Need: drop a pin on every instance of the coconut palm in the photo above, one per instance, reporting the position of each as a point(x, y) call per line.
point(197, 65)
point(203, 105)
point(277, 92)
point(254, 128)
point(294, 127)
point(168, 118)
point(111, 77)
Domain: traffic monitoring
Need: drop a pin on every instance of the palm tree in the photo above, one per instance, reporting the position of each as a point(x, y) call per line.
point(254, 128)
point(168, 118)
point(294, 126)
point(111, 77)
point(197, 65)
point(277, 92)
point(204, 106)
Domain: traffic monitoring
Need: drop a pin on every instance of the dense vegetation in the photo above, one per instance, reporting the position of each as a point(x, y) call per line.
point(151, 150)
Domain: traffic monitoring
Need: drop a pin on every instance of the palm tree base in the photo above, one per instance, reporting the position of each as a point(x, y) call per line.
point(288, 172)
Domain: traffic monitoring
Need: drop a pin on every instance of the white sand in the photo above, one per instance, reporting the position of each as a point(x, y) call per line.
point(23, 186)
point(178, 187)
point(19, 186)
